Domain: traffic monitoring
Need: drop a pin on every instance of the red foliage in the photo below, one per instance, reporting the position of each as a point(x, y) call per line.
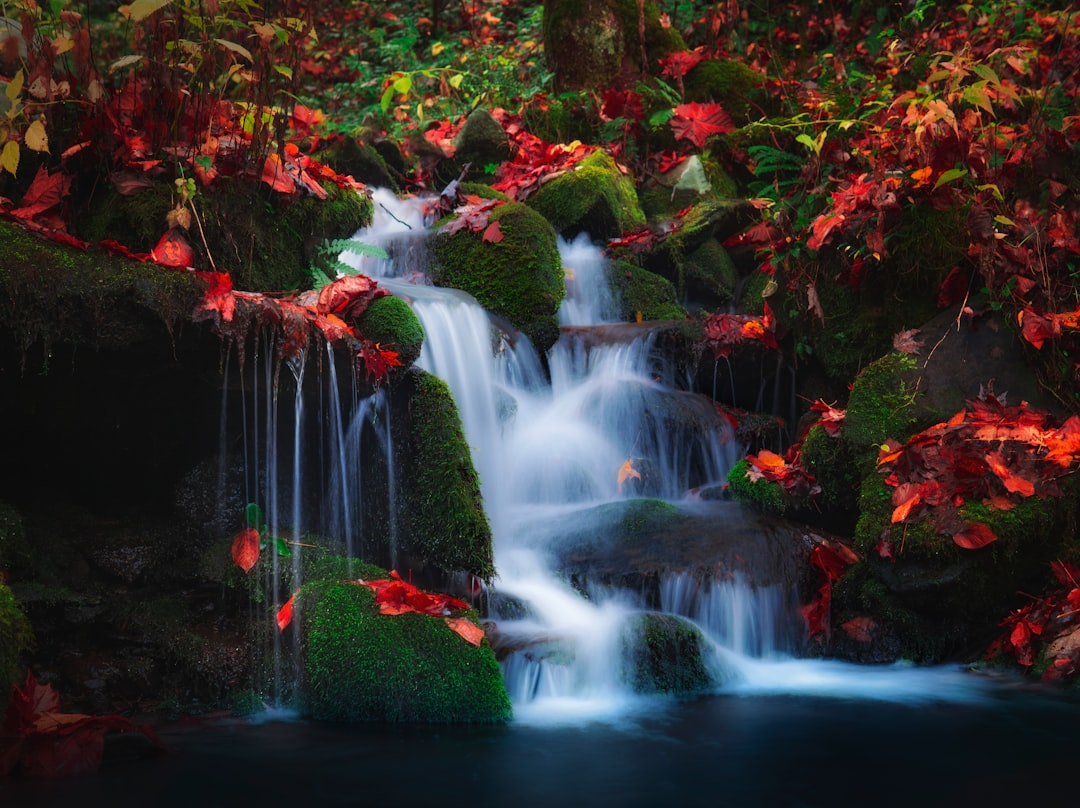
point(990, 452)
point(533, 159)
point(39, 741)
point(831, 420)
point(474, 217)
point(832, 560)
point(697, 122)
point(723, 332)
point(245, 548)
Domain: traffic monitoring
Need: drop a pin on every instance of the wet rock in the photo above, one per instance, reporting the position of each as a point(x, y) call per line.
point(664, 654)
point(481, 142)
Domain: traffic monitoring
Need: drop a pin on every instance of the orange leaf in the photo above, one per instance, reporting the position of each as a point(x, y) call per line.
point(275, 175)
point(974, 535)
point(245, 548)
point(1014, 484)
point(466, 629)
point(626, 471)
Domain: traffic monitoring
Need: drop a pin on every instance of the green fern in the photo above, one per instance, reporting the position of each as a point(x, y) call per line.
point(328, 265)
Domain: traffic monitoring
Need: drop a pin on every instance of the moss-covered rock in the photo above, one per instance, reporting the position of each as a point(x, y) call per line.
point(442, 517)
point(481, 143)
point(830, 459)
point(764, 495)
point(15, 637)
point(595, 197)
point(881, 405)
point(359, 665)
point(643, 292)
point(664, 654)
point(594, 44)
point(728, 83)
point(390, 322)
point(56, 294)
point(264, 239)
point(519, 278)
point(940, 598)
point(352, 157)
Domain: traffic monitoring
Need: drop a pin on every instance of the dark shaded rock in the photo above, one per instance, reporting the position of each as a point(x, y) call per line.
point(594, 197)
point(664, 654)
point(481, 142)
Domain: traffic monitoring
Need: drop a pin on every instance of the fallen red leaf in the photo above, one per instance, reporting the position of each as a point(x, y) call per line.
point(974, 535)
point(466, 629)
point(348, 297)
point(245, 548)
point(173, 250)
point(697, 122)
point(285, 614)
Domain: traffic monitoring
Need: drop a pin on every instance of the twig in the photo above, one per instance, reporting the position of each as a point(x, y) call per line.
point(392, 216)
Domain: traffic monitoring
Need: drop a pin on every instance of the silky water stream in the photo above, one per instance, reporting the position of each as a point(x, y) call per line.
point(774, 730)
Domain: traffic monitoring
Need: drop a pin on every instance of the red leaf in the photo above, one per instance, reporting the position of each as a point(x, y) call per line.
point(44, 192)
point(697, 122)
point(173, 250)
point(885, 549)
point(678, 63)
point(1067, 574)
point(974, 535)
point(245, 548)
point(1014, 484)
point(275, 175)
point(466, 629)
point(348, 297)
point(219, 297)
point(860, 629)
point(492, 233)
point(284, 615)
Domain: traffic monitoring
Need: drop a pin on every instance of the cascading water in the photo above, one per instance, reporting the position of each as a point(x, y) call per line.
point(607, 428)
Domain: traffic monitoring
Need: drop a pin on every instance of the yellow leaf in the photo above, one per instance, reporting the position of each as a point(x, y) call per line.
point(14, 88)
point(437, 48)
point(35, 138)
point(455, 80)
point(141, 9)
point(626, 471)
point(9, 158)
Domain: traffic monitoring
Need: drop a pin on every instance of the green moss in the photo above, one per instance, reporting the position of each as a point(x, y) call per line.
point(443, 514)
point(352, 157)
point(390, 322)
point(519, 278)
point(729, 83)
point(764, 495)
point(482, 191)
point(359, 665)
point(664, 652)
point(831, 461)
point(646, 292)
point(15, 638)
point(880, 406)
point(709, 274)
point(56, 294)
point(595, 198)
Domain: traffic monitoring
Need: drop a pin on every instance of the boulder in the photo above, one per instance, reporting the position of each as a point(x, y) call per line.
point(594, 197)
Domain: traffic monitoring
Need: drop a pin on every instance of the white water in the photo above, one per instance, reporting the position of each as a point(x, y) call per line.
point(544, 450)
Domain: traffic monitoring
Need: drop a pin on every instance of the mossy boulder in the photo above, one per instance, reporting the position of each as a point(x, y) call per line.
point(481, 143)
point(264, 239)
point(519, 277)
point(56, 294)
point(352, 157)
point(664, 654)
point(942, 599)
point(881, 405)
point(595, 198)
point(442, 515)
point(644, 293)
point(359, 665)
point(15, 638)
point(390, 322)
point(595, 44)
point(728, 83)
point(766, 496)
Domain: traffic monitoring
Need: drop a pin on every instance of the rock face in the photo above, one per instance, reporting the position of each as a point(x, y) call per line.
point(595, 197)
point(665, 655)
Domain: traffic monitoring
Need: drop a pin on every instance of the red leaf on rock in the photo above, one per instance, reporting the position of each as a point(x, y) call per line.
point(974, 535)
point(276, 176)
point(245, 548)
point(697, 122)
point(219, 300)
point(860, 629)
point(466, 629)
point(44, 192)
point(492, 233)
point(348, 297)
point(678, 63)
point(173, 250)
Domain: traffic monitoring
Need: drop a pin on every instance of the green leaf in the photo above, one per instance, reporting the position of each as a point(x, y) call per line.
point(14, 88)
point(387, 97)
point(456, 79)
point(141, 9)
point(370, 250)
point(976, 94)
point(254, 516)
point(986, 72)
point(949, 176)
point(237, 49)
point(284, 70)
point(282, 548)
point(403, 84)
point(658, 119)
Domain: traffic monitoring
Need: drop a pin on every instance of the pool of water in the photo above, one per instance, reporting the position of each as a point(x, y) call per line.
point(1015, 745)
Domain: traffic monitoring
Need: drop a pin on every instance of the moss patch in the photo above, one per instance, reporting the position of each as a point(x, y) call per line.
point(764, 495)
point(728, 83)
point(880, 406)
point(359, 665)
point(640, 290)
point(15, 637)
point(443, 513)
point(390, 322)
point(595, 198)
point(519, 278)
point(664, 653)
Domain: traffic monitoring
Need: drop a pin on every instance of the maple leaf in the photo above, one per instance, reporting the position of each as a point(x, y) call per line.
point(219, 302)
point(678, 63)
point(245, 548)
point(46, 191)
point(831, 419)
point(697, 122)
point(906, 342)
point(974, 535)
point(626, 472)
point(349, 296)
point(276, 176)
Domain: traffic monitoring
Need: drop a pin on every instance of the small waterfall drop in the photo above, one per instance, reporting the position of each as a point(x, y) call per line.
point(604, 426)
